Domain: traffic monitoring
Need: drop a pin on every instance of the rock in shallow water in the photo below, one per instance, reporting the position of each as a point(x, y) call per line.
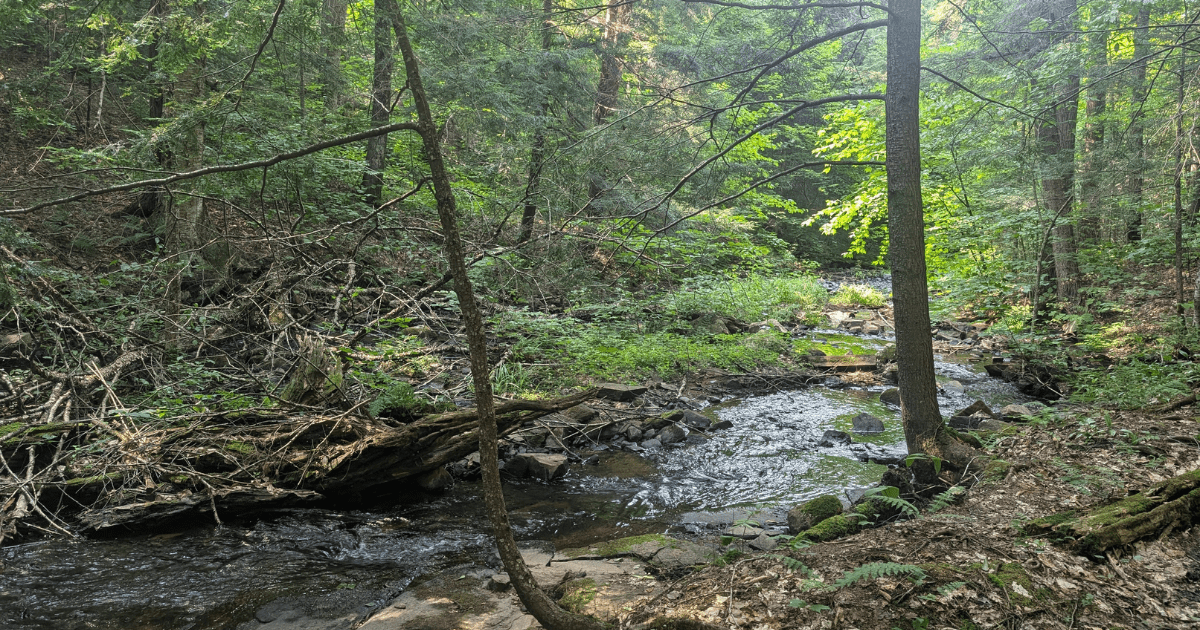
point(866, 423)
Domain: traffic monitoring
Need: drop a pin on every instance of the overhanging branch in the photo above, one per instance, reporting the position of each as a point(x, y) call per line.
point(220, 168)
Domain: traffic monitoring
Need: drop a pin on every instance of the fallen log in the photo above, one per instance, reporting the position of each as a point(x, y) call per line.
point(389, 454)
point(846, 363)
point(1171, 505)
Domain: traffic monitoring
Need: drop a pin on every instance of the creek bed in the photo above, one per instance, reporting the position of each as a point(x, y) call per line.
point(331, 563)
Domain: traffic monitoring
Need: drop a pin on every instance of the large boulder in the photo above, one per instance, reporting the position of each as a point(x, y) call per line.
point(866, 423)
point(890, 396)
point(435, 480)
point(1016, 413)
point(802, 517)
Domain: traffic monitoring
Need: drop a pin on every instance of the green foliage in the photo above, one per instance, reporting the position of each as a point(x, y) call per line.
point(946, 498)
point(749, 299)
point(396, 397)
point(858, 295)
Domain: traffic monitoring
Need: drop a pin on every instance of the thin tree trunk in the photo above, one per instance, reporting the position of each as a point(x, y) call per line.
point(1057, 138)
point(609, 86)
point(1179, 189)
point(1141, 46)
point(537, 154)
point(381, 100)
point(333, 41)
point(1093, 143)
point(535, 600)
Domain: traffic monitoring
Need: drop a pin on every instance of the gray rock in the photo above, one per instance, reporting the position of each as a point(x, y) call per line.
point(723, 424)
point(499, 583)
point(655, 443)
point(710, 323)
point(890, 396)
point(814, 352)
point(866, 423)
point(764, 543)
point(954, 387)
point(633, 433)
point(696, 420)
point(870, 329)
point(696, 438)
point(834, 437)
point(581, 414)
point(619, 393)
point(1016, 412)
point(747, 532)
point(541, 465)
point(975, 421)
point(672, 434)
point(680, 554)
point(977, 407)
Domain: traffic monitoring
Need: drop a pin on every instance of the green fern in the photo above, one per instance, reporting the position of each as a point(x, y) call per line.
point(890, 496)
point(793, 565)
point(873, 570)
point(944, 590)
point(944, 499)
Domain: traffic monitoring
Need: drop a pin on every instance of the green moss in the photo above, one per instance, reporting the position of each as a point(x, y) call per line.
point(822, 507)
point(239, 447)
point(833, 527)
point(996, 470)
point(1011, 573)
point(963, 437)
point(95, 479)
point(618, 547)
point(1049, 522)
point(577, 594)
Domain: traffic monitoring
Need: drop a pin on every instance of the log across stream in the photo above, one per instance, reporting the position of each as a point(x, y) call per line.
point(329, 562)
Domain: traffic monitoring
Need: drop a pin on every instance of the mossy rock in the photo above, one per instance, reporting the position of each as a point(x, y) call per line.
point(963, 437)
point(811, 513)
point(834, 527)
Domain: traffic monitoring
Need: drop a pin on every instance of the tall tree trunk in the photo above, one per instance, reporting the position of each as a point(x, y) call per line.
point(537, 153)
point(1179, 186)
point(1056, 136)
point(381, 101)
point(1093, 142)
point(608, 88)
point(535, 600)
point(923, 429)
point(1137, 132)
point(333, 42)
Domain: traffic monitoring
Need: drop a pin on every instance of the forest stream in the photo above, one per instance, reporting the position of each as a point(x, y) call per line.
point(330, 563)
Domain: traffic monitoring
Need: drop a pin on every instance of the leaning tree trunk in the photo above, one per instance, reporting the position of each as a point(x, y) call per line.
point(923, 428)
point(535, 600)
point(1093, 142)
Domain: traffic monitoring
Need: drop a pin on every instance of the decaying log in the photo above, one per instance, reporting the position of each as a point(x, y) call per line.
point(164, 510)
point(1171, 505)
point(847, 363)
point(390, 454)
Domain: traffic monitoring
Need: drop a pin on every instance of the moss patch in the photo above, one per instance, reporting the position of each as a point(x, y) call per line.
point(822, 507)
point(833, 527)
point(239, 447)
point(996, 470)
point(577, 594)
point(618, 547)
point(1009, 574)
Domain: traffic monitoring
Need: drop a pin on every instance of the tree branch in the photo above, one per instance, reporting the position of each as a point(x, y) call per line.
point(220, 168)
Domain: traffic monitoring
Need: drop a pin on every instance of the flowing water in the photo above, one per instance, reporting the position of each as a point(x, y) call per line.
point(338, 562)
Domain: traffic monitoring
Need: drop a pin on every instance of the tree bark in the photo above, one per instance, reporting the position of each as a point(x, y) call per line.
point(539, 604)
point(906, 235)
point(537, 153)
point(381, 100)
point(1137, 131)
point(1093, 142)
point(609, 86)
point(333, 41)
point(1057, 139)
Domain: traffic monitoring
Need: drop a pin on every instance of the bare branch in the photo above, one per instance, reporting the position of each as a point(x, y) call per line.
point(791, 7)
point(220, 168)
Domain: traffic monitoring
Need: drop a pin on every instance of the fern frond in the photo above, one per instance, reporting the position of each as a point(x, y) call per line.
point(793, 565)
point(899, 504)
point(950, 588)
point(944, 499)
point(873, 570)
